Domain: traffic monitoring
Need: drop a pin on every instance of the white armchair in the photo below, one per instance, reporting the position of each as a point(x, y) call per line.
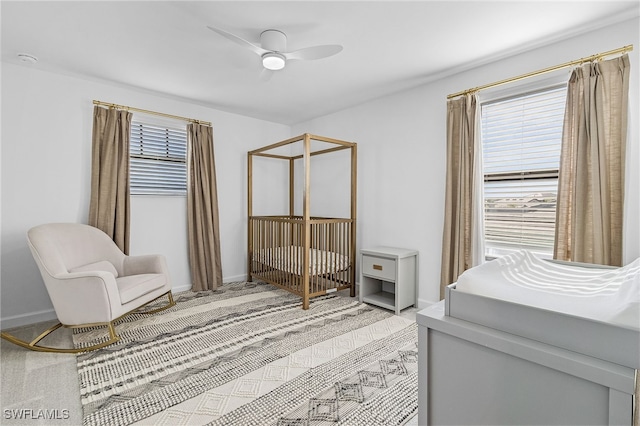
point(90, 281)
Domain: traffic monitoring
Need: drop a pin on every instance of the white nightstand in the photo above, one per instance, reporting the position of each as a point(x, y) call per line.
point(388, 277)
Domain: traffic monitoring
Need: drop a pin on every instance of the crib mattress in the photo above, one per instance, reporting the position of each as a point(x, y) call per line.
point(591, 310)
point(289, 259)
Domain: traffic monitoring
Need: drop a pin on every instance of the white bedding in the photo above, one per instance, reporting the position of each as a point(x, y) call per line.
point(289, 259)
point(610, 295)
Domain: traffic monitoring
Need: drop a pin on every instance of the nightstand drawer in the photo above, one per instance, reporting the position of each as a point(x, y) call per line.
point(379, 267)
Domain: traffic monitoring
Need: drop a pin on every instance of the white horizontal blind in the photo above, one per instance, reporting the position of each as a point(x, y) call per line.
point(158, 159)
point(521, 140)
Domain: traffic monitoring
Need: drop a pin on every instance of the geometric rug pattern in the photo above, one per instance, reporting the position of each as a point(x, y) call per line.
point(248, 354)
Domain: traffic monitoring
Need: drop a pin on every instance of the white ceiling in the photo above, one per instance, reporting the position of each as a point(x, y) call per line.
point(388, 45)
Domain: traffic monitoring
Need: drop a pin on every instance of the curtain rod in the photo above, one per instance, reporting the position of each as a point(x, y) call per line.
point(595, 57)
point(128, 108)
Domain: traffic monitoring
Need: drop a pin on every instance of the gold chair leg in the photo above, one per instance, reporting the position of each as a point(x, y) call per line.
point(33, 345)
point(113, 337)
point(162, 308)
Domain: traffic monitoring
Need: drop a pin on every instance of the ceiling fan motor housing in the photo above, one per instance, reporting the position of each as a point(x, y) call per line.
point(273, 40)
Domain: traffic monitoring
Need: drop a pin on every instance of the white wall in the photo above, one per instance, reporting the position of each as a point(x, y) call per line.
point(46, 157)
point(401, 150)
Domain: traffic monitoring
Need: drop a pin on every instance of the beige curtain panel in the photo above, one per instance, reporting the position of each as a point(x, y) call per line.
point(202, 209)
point(589, 212)
point(461, 187)
point(109, 203)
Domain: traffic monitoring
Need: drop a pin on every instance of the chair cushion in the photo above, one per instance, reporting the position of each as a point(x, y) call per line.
point(133, 286)
point(103, 265)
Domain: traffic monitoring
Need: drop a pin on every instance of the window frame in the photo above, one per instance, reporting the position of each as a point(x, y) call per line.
point(540, 84)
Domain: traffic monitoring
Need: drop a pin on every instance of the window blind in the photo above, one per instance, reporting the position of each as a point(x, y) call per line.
point(157, 159)
point(521, 140)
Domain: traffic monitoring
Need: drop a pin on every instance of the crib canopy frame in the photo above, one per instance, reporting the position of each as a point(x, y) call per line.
point(307, 224)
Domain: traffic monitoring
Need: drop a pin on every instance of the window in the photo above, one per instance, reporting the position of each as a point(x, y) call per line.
point(158, 159)
point(521, 140)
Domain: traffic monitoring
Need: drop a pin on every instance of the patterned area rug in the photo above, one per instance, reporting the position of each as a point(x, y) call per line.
point(248, 354)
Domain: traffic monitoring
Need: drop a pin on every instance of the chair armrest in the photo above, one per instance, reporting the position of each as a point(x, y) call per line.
point(84, 297)
point(146, 264)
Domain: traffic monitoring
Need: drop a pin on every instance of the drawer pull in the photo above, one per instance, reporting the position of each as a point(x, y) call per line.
point(377, 267)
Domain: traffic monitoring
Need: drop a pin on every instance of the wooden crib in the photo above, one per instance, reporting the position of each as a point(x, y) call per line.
point(306, 255)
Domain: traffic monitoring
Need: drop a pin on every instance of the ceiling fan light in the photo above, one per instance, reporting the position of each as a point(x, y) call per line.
point(273, 61)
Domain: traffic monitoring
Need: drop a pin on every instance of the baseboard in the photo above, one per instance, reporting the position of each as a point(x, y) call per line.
point(27, 319)
point(180, 288)
point(235, 278)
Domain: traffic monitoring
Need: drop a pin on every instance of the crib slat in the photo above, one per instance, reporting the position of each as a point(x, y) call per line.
point(282, 246)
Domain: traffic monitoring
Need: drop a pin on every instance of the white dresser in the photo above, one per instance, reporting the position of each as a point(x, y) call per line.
point(473, 374)
point(388, 277)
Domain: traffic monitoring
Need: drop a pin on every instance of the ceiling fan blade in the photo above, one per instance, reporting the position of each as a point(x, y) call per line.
point(315, 52)
point(266, 74)
point(260, 51)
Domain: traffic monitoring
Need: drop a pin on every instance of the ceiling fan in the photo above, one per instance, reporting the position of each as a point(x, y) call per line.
point(273, 46)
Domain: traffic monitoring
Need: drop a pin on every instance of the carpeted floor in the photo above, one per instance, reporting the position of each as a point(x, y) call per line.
point(263, 360)
point(39, 388)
